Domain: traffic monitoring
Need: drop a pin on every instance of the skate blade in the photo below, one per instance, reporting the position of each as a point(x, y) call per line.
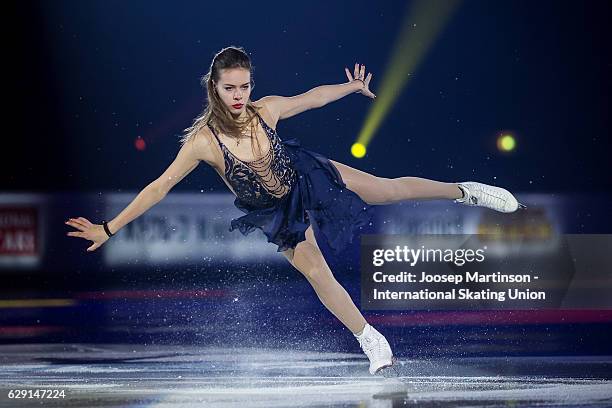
point(520, 205)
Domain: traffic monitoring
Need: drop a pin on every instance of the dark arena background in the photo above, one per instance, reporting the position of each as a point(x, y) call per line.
point(176, 311)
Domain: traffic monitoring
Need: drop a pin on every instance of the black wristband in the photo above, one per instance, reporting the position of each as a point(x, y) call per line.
point(105, 225)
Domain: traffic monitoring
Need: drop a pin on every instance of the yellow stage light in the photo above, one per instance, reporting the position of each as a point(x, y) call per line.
point(423, 22)
point(358, 150)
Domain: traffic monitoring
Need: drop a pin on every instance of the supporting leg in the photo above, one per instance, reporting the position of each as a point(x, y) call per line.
point(308, 259)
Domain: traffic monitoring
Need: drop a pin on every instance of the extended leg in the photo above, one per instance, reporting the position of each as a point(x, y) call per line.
point(380, 190)
point(308, 259)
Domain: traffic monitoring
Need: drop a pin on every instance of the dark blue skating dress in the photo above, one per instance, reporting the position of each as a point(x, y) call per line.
point(283, 191)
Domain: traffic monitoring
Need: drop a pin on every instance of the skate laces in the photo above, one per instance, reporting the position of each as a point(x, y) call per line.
point(489, 197)
point(483, 195)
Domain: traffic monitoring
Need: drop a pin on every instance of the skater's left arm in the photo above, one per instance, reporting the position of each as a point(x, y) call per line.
point(285, 107)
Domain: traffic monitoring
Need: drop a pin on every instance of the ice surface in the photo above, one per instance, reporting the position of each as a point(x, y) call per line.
point(179, 376)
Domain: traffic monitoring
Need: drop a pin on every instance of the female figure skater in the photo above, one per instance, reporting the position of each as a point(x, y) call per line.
point(282, 187)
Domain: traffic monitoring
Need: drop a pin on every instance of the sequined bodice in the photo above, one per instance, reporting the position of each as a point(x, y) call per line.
point(264, 181)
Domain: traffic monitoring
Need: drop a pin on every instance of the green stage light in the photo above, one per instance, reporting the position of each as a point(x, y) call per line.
point(506, 143)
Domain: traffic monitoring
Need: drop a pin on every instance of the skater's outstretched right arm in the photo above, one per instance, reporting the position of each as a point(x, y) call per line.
point(187, 159)
point(282, 107)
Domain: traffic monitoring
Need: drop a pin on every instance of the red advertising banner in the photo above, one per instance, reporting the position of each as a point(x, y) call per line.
point(18, 230)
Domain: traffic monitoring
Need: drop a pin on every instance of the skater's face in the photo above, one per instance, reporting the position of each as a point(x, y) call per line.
point(234, 88)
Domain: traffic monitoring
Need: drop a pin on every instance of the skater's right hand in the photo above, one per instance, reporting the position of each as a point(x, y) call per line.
point(87, 230)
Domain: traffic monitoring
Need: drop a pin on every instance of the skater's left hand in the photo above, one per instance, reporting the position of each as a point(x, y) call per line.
point(359, 75)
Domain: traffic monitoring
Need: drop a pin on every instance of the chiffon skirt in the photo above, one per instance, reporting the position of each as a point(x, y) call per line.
point(319, 194)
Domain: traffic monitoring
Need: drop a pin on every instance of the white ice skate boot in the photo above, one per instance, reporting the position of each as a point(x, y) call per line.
point(376, 348)
point(484, 195)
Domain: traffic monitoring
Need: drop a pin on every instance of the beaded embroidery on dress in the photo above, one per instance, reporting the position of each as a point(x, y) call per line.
point(289, 189)
point(261, 182)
